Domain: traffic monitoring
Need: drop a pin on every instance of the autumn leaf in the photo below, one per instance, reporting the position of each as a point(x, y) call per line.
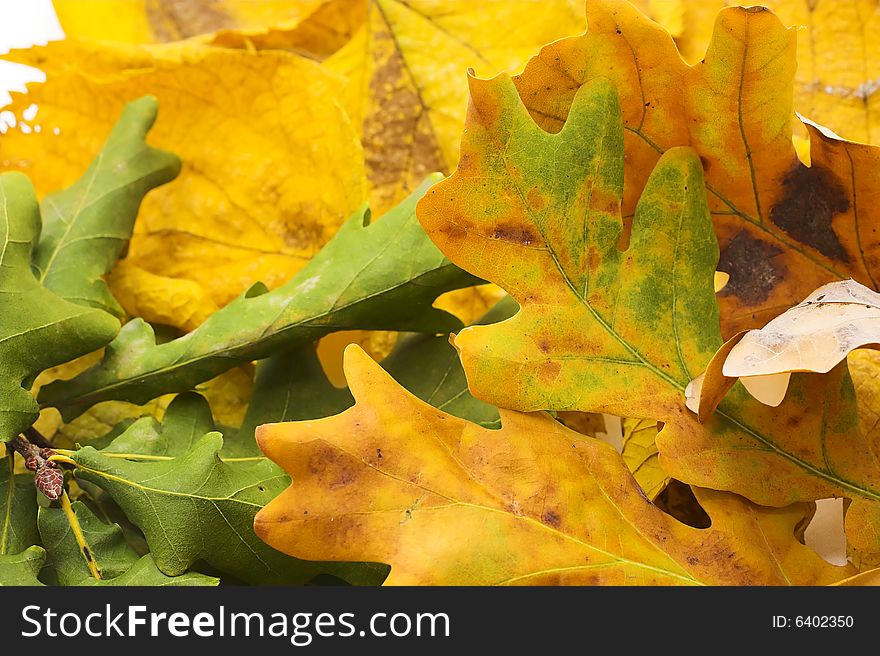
point(407, 102)
point(192, 505)
point(166, 300)
point(318, 34)
point(784, 228)
point(564, 267)
point(641, 456)
point(383, 276)
point(387, 479)
point(864, 367)
point(815, 335)
point(426, 365)
point(315, 28)
point(837, 52)
point(271, 163)
point(622, 332)
point(38, 328)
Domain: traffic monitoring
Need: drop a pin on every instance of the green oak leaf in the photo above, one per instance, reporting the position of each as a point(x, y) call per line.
point(22, 568)
point(86, 227)
point(196, 506)
point(426, 365)
point(18, 509)
point(115, 559)
point(38, 328)
point(288, 386)
point(187, 418)
point(382, 276)
point(145, 573)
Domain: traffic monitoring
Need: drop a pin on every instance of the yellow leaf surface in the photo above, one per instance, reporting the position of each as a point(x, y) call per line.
point(407, 89)
point(318, 34)
point(446, 502)
point(838, 56)
point(271, 163)
point(641, 456)
point(863, 520)
point(153, 21)
point(171, 301)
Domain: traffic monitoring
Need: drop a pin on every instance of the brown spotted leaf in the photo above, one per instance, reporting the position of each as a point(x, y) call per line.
point(784, 228)
point(447, 502)
point(407, 91)
point(623, 332)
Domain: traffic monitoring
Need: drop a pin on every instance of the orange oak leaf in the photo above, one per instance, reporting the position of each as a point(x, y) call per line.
point(447, 502)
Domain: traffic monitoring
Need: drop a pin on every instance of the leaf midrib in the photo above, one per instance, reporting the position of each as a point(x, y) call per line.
point(230, 351)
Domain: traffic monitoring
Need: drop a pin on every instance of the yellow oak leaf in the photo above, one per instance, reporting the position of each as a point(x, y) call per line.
point(838, 72)
point(170, 301)
point(641, 456)
point(156, 21)
point(395, 480)
point(406, 90)
point(271, 163)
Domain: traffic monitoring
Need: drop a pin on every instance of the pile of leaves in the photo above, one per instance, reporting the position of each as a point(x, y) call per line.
point(276, 345)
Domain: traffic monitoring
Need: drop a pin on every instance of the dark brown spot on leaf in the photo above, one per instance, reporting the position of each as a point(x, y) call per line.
point(813, 196)
point(753, 273)
point(514, 233)
point(87, 554)
point(552, 519)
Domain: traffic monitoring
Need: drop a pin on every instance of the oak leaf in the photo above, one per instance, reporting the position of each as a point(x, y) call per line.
point(116, 561)
point(22, 568)
point(784, 228)
point(426, 365)
point(407, 101)
point(38, 329)
point(271, 163)
point(18, 512)
point(838, 55)
point(381, 276)
point(542, 504)
point(191, 504)
point(622, 332)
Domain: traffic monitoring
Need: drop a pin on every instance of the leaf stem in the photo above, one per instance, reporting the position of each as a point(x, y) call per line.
point(64, 456)
point(7, 518)
point(80, 538)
